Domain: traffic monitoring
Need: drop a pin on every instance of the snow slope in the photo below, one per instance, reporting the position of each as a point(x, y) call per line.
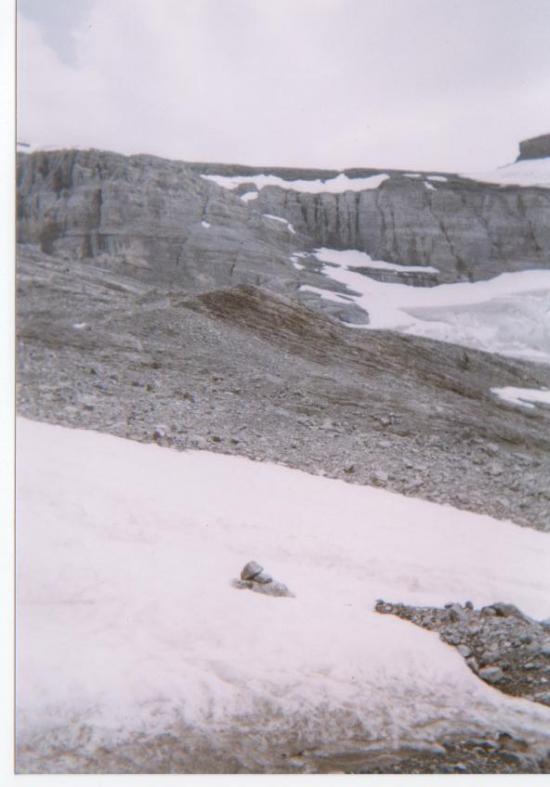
point(509, 314)
point(128, 624)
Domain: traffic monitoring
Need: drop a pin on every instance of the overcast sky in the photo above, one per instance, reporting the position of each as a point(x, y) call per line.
point(431, 84)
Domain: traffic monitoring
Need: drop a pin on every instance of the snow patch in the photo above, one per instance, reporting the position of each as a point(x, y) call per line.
point(127, 620)
point(351, 258)
point(532, 172)
point(250, 195)
point(523, 396)
point(280, 219)
point(439, 178)
point(509, 314)
point(337, 185)
point(205, 224)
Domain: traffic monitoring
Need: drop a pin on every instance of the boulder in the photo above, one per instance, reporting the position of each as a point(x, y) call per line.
point(253, 577)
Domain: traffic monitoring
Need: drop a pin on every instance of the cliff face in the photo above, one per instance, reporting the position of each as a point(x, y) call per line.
point(466, 230)
point(144, 214)
point(168, 222)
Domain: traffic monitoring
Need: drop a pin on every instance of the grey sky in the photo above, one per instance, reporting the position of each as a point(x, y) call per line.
point(58, 19)
point(442, 84)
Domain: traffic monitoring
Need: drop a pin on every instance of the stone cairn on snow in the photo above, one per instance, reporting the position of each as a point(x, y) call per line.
point(253, 577)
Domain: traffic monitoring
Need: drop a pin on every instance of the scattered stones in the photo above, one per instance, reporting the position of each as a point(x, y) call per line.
point(487, 754)
point(499, 643)
point(491, 674)
point(253, 577)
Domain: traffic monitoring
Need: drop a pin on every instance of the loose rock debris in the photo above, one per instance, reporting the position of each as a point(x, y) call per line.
point(253, 577)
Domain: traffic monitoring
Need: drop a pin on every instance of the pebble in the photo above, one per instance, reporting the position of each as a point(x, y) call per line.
point(491, 674)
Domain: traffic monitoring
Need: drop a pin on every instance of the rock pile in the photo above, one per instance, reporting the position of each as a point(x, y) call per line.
point(501, 644)
point(255, 578)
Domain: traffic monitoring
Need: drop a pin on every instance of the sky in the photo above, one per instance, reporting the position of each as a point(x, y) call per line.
point(448, 85)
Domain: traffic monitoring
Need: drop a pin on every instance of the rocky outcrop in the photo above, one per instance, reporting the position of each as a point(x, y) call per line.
point(163, 221)
point(154, 219)
point(536, 147)
point(467, 230)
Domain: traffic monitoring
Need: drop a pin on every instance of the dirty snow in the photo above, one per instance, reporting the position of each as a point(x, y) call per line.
point(531, 172)
point(126, 620)
point(525, 397)
point(509, 314)
point(336, 185)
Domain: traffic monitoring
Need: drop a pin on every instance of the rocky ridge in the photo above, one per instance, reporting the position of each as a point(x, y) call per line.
point(165, 221)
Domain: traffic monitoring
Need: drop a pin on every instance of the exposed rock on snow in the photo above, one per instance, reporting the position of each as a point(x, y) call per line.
point(500, 643)
point(251, 570)
point(255, 578)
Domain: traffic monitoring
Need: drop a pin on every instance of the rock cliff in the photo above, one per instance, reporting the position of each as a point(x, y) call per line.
point(166, 221)
point(154, 218)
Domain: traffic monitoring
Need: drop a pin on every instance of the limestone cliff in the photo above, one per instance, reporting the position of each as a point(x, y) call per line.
point(165, 220)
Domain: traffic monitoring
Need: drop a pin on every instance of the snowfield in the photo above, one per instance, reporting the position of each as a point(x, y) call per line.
point(128, 627)
point(509, 314)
